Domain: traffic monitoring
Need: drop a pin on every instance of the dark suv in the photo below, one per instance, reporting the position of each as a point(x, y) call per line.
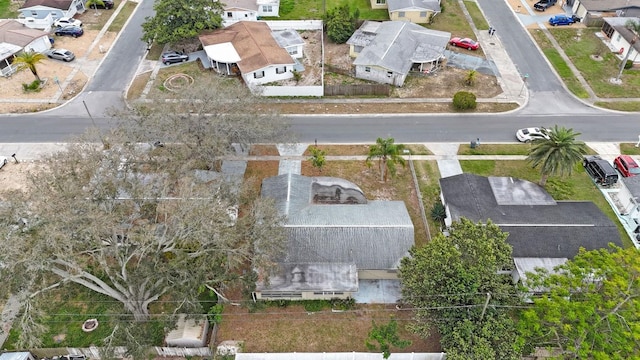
point(543, 5)
point(71, 30)
point(600, 170)
point(106, 4)
point(174, 57)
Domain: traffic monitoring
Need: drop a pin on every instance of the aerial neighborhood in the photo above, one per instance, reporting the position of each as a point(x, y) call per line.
point(278, 179)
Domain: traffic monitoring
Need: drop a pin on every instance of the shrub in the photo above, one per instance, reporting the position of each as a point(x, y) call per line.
point(31, 87)
point(464, 100)
point(628, 65)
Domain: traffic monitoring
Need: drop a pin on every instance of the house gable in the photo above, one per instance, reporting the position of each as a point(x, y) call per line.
point(15, 33)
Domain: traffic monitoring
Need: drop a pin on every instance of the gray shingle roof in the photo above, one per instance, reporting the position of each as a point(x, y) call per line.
point(537, 227)
point(417, 5)
point(373, 235)
point(398, 44)
point(609, 5)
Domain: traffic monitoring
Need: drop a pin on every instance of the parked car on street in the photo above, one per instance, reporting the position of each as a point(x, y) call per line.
point(626, 166)
point(563, 20)
point(600, 170)
point(106, 4)
point(65, 21)
point(74, 31)
point(60, 54)
point(464, 43)
point(543, 5)
point(171, 57)
point(533, 133)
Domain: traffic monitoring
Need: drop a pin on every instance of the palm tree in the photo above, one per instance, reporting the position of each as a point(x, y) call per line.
point(94, 4)
point(28, 60)
point(388, 154)
point(634, 26)
point(556, 154)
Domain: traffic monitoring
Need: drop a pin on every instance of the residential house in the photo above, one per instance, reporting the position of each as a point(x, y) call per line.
point(248, 10)
point(593, 12)
point(417, 11)
point(50, 10)
point(250, 49)
point(542, 231)
point(386, 52)
point(15, 38)
point(627, 202)
point(621, 37)
point(336, 237)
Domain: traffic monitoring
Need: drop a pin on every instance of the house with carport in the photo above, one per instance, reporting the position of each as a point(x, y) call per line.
point(248, 10)
point(622, 38)
point(40, 14)
point(336, 238)
point(593, 12)
point(252, 50)
point(543, 232)
point(16, 38)
point(416, 11)
point(385, 52)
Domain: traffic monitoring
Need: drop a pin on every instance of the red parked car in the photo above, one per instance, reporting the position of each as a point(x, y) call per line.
point(626, 165)
point(464, 43)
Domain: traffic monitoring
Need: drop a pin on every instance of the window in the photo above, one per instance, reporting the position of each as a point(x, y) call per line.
point(423, 14)
point(293, 51)
point(619, 37)
point(258, 74)
point(281, 70)
point(389, 74)
point(367, 69)
point(381, 2)
point(267, 8)
point(229, 14)
point(34, 13)
point(401, 14)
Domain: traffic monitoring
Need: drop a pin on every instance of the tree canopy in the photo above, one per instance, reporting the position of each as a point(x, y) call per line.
point(29, 60)
point(558, 154)
point(589, 307)
point(138, 222)
point(456, 287)
point(388, 154)
point(175, 21)
point(340, 23)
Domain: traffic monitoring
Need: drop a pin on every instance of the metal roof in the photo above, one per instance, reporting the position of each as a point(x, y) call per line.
point(287, 38)
point(338, 277)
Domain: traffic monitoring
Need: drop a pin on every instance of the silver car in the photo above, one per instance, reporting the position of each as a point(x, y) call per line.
point(60, 54)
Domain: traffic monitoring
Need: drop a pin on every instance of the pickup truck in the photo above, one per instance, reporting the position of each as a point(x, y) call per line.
point(543, 5)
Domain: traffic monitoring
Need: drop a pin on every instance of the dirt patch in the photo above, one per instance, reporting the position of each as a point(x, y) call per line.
point(15, 176)
point(377, 108)
point(263, 150)
point(337, 150)
point(292, 329)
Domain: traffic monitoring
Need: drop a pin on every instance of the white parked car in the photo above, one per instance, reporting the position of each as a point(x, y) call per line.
point(65, 21)
point(532, 133)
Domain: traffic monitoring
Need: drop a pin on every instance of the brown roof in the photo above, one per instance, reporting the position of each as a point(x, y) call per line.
point(253, 42)
point(56, 4)
point(13, 32)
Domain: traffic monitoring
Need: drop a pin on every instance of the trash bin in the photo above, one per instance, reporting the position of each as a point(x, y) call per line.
point(473, 144)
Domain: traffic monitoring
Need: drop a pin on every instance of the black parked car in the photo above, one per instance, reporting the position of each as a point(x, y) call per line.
point(107, 4)
point(543, 5)
point(174, 57)
point(74, 31)
point(600, 170)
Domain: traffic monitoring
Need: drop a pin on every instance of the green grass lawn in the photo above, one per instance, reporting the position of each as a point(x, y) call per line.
point(123, 16)
point(476, 15)
point(559, 64)
point(578, 186)
point(452, 20)
point(314, 9)
point(597, 73)
point(7, 11)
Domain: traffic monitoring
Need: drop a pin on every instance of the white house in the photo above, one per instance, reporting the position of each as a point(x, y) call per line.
point(248, 10)
point(621, 37)
point(15, 38)
point(249, 49)
point(54, 9)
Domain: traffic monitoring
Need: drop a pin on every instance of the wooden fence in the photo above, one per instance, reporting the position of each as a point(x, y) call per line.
point(357, 90)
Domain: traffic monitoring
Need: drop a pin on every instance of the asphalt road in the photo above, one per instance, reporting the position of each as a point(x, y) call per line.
point(549, 103)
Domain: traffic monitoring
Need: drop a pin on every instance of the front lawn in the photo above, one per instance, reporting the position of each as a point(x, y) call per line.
point(597, 72)
point(315, 9)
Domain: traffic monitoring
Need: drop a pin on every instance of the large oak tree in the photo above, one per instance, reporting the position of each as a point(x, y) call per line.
point(137, 222)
